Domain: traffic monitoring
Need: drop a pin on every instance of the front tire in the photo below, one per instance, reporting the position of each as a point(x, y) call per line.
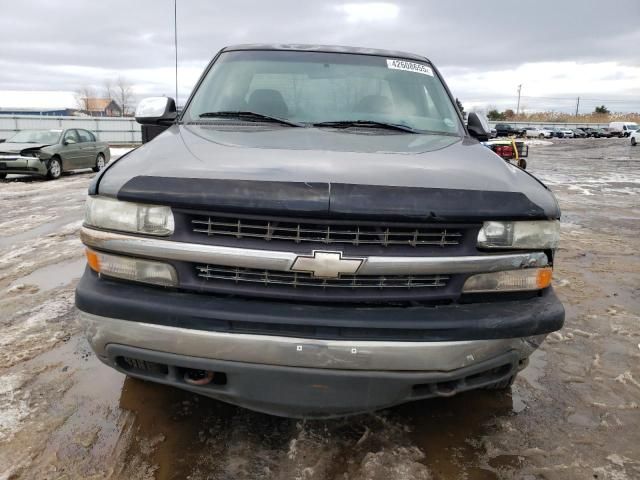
point(100, 163)
point(3, 175)
point(55, 168)
point(541, 135)
point(633, 141)
point(522, 163)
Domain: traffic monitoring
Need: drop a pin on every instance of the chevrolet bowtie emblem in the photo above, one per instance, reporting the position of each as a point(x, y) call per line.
point(326, 264)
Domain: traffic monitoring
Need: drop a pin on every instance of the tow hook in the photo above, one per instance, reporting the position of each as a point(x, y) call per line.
point(198, 377)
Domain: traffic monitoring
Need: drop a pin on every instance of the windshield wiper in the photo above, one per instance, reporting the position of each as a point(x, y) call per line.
point(376, 124)
point(366, 123)
point(255, 116)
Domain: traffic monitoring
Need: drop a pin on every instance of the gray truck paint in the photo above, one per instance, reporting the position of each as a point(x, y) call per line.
point(324, 155)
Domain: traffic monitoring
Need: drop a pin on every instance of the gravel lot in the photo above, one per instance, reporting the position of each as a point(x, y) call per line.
point(572, 414)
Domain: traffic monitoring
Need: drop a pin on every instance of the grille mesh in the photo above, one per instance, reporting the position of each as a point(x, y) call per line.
point(303, 280)
point(298, 232)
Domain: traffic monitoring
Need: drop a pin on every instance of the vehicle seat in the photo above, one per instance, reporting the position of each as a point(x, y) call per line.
point(374, 104)
point(268, 102)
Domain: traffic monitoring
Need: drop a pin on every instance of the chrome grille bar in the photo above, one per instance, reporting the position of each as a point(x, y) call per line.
point(283, 260)
point(299, 279)
point(327, 234)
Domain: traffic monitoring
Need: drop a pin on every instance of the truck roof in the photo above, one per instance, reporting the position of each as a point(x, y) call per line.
point(326, 48)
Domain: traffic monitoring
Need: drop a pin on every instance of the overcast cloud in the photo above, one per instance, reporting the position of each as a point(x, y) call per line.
point(557, 50)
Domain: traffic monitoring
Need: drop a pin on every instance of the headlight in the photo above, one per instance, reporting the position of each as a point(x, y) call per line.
point(111, 214)
point(540, 234)
point(134, 269)
point(509, 281)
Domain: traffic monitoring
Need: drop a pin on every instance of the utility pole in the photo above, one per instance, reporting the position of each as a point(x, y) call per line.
point(577, 106)
point(175, 41)
point(518, 106)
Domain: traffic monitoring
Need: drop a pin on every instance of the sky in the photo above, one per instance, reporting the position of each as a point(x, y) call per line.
point(557, 51)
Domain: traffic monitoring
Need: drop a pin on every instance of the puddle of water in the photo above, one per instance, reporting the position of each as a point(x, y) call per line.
point(53, 276)
point(448, 429)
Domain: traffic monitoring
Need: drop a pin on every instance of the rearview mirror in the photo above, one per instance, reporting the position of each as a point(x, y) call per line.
point(478, 127)
point(156, 111)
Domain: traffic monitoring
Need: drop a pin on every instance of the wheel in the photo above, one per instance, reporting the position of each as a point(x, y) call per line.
point(99, 163)
point(633, 142)
point(4, 175)
point(522, 163)
point(541, 135)
point(55, 168)
point(502, 385)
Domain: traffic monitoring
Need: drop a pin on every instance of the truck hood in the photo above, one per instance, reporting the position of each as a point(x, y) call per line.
point(18, 147)
point(326, 171)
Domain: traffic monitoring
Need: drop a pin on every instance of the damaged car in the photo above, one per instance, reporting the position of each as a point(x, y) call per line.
point(318, 234)
point(49, 153)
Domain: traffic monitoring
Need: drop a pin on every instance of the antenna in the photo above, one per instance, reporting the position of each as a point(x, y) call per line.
point(175, 41)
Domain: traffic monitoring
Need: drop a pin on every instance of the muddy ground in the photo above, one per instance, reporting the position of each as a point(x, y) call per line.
point(572, 414)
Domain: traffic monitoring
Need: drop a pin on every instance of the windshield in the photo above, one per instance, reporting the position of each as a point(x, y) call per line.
point(315, 87)
point(632, 126)
point(36, 136)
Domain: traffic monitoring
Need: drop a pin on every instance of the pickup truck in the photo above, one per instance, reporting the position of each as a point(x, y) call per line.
point(506, 130)
point(49, 153)
point(318, 234)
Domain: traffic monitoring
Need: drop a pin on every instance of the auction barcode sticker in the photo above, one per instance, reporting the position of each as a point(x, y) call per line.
point(409, 66)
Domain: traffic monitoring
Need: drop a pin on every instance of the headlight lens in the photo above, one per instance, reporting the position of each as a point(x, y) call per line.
point(541, 234)
point(509, 281)
point(133, 269)
point(111, 214)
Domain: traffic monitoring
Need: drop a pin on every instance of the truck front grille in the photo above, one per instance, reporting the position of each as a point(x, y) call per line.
point(300, 231)
point(306, 280)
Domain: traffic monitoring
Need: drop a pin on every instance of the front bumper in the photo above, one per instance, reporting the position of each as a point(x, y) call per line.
point(22, 165)
point(301, 378)
point(304, 360)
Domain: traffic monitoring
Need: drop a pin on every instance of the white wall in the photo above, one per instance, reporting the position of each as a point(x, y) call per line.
point(109, 129)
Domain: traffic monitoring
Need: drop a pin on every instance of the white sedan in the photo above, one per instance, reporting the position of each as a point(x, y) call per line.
point(535, 132)
point(635, 137)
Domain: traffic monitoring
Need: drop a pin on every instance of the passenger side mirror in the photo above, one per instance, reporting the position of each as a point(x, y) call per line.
point(156, 111)
point(68, 141)
point(478, 127)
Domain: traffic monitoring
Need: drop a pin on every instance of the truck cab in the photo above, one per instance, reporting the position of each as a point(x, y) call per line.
point(318, 234)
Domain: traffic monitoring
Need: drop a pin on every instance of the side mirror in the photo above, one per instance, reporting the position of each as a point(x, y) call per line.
point(156, 111)
point(478, 127)
point(68, 141)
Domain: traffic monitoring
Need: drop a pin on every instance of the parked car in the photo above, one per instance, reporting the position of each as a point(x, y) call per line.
point(579, 133)
point(556, 132)
point(601, 133)
point(566, 132)
point(51, 152)
point(494, 133)
point(354, 254)
point(537, 132)
point(623, 129)
point(506, 130)
point(635, 137)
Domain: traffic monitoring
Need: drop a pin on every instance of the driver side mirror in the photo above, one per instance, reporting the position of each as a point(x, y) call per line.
point(156, 111)
point(68, 141)
point(478, 127)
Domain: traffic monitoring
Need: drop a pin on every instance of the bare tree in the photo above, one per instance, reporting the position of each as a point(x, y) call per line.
point(124, 94)
point(83, 94)
point(109, 89)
